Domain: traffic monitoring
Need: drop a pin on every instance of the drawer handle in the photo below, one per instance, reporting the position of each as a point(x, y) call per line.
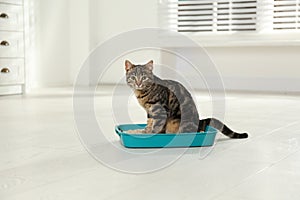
point(4, 16)
point(4, 43)
point(5, 70)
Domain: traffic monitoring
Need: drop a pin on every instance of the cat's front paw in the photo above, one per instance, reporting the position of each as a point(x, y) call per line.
point(136, 131)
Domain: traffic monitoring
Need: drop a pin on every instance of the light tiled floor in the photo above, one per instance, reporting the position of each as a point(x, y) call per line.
point(41, 156)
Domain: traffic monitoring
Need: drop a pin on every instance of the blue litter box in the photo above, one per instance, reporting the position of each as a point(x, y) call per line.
point(206, 138)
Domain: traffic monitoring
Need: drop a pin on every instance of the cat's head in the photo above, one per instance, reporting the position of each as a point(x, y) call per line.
point(139, 77)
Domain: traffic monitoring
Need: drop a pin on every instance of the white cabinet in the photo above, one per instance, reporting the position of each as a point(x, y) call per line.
point(11, 17)
point(12, 59)
point(11, 44)
point(12, 71)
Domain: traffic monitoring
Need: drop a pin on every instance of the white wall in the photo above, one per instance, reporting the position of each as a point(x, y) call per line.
point(114, 17)
point(49, 61)
point(259, 68)
point(79, 36)
point(63, 32)
point(261, 62)
point(67, 30)
point(110, 18)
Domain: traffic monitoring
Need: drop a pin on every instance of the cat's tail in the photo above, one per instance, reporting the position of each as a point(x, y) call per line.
point(217, 124)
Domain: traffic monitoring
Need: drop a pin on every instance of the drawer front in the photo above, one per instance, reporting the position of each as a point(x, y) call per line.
point(11, 44)
point(11, 17)
point(19, 2)
point(11, 71)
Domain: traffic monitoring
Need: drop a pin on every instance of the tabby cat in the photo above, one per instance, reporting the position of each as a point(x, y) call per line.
point(169, 105)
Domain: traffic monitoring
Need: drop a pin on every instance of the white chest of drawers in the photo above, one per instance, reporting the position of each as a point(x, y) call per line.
point(12, 59)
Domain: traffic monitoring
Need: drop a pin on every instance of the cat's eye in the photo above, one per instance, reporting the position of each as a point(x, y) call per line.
point(144, 78)
point(132, 77)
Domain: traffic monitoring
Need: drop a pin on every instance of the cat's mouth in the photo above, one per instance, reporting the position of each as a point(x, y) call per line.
point(139, 87)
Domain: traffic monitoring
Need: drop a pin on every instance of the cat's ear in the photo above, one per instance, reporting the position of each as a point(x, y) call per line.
point(149, 65)
point(128, 65)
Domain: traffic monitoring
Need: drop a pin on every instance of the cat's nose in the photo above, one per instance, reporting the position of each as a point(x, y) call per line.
point(138, 83)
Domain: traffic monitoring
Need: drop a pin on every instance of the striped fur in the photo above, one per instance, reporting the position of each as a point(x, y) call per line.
point(169, 105)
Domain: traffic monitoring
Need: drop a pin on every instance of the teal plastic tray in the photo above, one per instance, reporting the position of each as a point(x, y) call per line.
point(206, 138)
